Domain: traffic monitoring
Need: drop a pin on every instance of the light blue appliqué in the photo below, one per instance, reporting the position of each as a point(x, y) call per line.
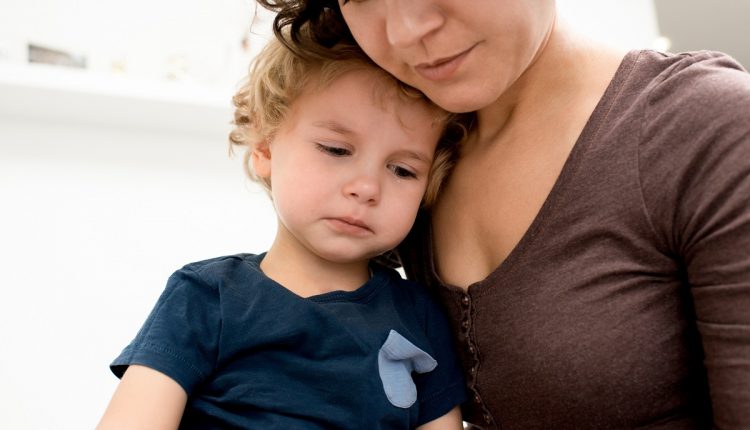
point(396, 360)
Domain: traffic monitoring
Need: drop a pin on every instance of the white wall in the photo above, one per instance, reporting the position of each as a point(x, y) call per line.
point(96, 215)
point(622, 23)
point(93, 222)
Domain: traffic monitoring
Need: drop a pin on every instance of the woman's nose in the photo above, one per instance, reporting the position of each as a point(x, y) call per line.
point(364, 188)
point(408, 21)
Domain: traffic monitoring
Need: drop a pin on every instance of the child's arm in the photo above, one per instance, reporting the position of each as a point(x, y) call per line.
point(145, 399)
point(449, 421)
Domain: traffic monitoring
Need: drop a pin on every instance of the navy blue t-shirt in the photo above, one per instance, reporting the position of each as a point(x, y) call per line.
point(252, 354)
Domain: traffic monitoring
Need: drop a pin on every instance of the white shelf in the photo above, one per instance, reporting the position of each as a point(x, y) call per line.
point(59, 94)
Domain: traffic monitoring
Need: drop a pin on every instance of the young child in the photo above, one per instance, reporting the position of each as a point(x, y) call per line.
point(311, 334)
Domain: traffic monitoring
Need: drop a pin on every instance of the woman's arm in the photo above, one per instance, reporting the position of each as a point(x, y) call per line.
point(449, 421)
point(145, 399)
point(694, 161)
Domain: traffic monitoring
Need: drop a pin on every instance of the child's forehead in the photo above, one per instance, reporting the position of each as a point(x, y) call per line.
point(381, 89)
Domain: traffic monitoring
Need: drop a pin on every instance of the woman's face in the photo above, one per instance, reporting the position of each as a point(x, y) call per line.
point(462, 54)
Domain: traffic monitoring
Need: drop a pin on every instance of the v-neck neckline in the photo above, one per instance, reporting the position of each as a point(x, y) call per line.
point(587, 136)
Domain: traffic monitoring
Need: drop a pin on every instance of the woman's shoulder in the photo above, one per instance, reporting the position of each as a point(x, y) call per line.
point(689, 77)
point(685, 100)
point(693, 141)
point(680, 60)
point(669, 64)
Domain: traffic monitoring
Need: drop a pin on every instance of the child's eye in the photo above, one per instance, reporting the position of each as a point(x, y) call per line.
point(402, 172)
point(335, 151)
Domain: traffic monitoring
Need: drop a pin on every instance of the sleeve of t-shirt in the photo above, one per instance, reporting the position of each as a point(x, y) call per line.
point(180, 336)
point(695, 172)
point(443, 388)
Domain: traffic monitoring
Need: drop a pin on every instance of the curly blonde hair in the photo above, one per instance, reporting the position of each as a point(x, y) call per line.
point(277, 76)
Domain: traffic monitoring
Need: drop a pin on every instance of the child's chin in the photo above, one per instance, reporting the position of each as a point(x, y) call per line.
point(350, 258)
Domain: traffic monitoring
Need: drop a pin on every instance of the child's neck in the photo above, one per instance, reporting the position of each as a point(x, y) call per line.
point(306, 274)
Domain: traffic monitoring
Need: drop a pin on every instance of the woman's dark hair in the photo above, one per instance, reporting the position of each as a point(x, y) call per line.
point(311, 27)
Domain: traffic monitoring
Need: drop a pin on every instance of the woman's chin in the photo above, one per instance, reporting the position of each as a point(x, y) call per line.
point(460, 101)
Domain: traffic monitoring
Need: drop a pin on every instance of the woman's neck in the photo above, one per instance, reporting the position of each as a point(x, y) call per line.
point(562, 68)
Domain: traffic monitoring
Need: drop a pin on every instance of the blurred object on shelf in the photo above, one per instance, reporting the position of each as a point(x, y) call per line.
point(55, 57)
point(4, 52)
point(177, 68)
point(119, 67)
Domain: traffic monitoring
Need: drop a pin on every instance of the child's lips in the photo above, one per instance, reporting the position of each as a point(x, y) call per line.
point(350, 225)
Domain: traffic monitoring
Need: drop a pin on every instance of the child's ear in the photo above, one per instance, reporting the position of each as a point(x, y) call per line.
point(261, 158)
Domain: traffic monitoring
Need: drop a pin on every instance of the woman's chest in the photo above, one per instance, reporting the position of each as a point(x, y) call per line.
point(486, 208)
point(578, 336)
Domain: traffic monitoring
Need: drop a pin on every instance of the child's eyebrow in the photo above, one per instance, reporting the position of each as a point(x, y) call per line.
point(334, 126)
point(415, 155)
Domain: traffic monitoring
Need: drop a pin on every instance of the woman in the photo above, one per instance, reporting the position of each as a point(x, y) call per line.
point(592, 245)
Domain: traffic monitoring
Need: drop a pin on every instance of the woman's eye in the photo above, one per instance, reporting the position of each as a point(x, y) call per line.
point(402, 172)
point(345, 2)
point(352, 2)
point(335, 151)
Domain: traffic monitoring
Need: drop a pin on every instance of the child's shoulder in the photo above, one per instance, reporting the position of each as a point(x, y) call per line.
point(222, 270)
point(398, 281)
point(410, 293)
point(222, 262)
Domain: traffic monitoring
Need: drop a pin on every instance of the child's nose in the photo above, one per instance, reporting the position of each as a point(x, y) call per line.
point(363, 188)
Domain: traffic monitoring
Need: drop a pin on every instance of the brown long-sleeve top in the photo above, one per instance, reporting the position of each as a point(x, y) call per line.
point(626, 305)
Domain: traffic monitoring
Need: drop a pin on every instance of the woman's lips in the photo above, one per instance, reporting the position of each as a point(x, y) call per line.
point(443, 68)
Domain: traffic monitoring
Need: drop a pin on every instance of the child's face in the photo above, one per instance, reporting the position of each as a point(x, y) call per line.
point(348, 170)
